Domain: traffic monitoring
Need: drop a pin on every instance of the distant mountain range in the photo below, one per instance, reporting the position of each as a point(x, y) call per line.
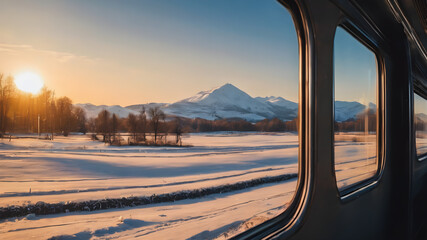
point(227, 102)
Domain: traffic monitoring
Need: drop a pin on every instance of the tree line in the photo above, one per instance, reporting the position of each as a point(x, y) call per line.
point(365, 121)
point(27, 113)
point(138, 125)
point(154, 122)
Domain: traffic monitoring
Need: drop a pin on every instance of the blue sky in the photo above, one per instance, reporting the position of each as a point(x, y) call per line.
point(420, 104)
point(355, 70)
point(131, 51)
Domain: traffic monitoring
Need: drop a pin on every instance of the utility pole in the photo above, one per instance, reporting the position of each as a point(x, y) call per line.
point(38, 124)
point(51, 114)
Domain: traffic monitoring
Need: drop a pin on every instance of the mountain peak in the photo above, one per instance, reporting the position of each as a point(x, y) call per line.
point(222, 94)
point(228, 86)
point(228, 89)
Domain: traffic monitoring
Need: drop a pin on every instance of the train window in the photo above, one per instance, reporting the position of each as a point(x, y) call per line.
point(355, 110)
point(420, 124)
point(177, 119)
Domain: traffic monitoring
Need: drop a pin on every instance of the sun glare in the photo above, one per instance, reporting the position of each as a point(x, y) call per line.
point(29, 82)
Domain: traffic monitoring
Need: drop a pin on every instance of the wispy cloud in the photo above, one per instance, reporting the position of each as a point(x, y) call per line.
point(16, 49)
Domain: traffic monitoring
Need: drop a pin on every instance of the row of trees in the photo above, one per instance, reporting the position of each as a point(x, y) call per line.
point(108, 125)
point(365, 121)
point(266, 125)
point(24, 112)
point(154, 122)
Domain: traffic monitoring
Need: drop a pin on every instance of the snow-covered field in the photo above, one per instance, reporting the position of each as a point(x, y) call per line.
point(355, 158)
point(76, 169)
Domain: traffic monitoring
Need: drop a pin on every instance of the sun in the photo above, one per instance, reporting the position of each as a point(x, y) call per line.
point(29, 82)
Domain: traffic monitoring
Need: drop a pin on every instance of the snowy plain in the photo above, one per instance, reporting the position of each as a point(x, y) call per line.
point(75, 169)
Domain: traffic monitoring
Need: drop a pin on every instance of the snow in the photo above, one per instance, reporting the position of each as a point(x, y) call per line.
point(205, 218)
point(76, 169)
point(349, 110)
point(227, 94)
point(92, 111)
point(279, 101)
point(138, 107)
point(355, 158)
point(81, 169)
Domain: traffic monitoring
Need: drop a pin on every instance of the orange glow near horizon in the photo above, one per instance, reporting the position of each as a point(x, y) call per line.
point(29, 82)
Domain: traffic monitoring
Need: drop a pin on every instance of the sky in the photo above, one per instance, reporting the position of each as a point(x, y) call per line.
point(420, 104)
point(355, 70)
point(131, 51)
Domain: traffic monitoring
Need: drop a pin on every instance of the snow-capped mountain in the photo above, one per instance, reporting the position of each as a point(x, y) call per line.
point(227, 94)
point(228, 101)
point(349, 110)
point(93, 110)
point(278, 101)
point(139, 107)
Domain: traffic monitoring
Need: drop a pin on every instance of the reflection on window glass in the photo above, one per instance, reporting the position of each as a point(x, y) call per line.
point(355, 71)
point(420, 122)
point(178, 117)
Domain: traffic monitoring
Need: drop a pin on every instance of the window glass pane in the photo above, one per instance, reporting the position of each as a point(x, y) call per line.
point(420, 118)
point(179, 118)
point(355, 71)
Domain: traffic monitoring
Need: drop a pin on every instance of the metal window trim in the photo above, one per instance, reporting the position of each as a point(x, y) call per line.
point(355, 190)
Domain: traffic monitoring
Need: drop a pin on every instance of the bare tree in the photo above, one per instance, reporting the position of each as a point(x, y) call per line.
point(44, 99)
point(52, 115)
point(165, 129)
point(91, 125)
point(114, 126)
point(103, 124)
point(132, 124)
point(27, 112)
point(156, 115)
point(80, 119)
point(178, 130)
point(7, 88)
point(64, 107)
point(142, 123)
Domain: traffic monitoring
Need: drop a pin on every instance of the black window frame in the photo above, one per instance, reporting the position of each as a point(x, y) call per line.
point(421, 157)
point(353, 191)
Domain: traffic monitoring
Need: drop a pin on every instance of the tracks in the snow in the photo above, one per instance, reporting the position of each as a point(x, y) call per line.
point(42, 208)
